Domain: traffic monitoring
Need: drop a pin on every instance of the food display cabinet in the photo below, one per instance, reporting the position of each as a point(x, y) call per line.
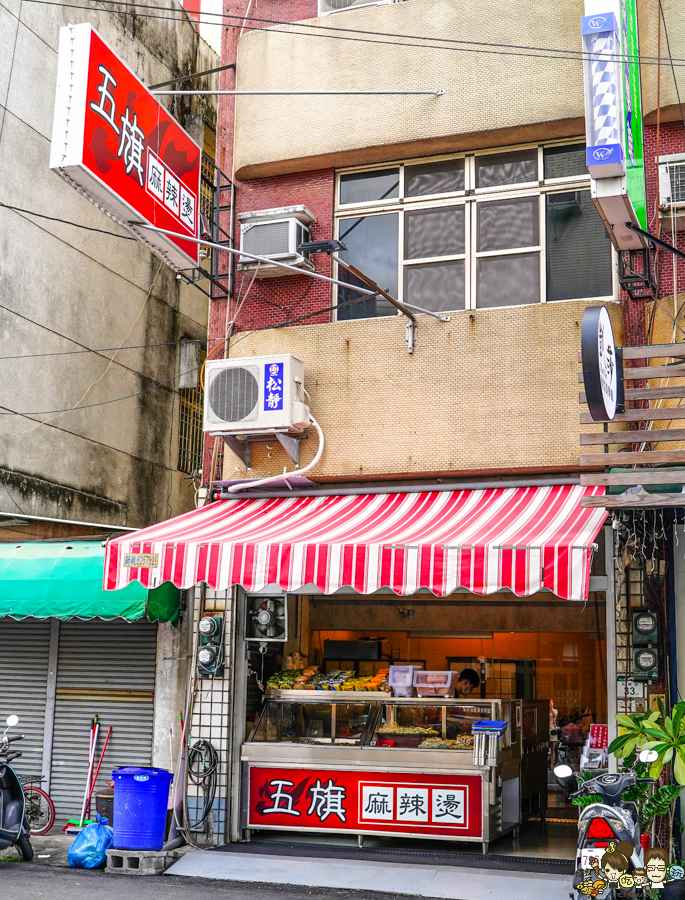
point(367, 763)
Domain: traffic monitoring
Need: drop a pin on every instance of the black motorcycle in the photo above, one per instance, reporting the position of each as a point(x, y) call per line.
point(14, 826)
point(606, 827)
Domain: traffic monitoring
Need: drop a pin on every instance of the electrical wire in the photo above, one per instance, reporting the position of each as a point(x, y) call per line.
point(30, 212)
point(46, 412)
point(109, 364)
point(101, 349)
point(556, 54)
point(668, 48)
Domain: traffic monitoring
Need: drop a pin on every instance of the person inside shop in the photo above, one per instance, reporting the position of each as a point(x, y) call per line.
point(468, 681)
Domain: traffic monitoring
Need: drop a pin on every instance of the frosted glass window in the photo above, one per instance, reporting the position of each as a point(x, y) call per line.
point(444, 177)
point(434, 232)
point(436, 286)
point(507, 168)
point(365, 187)
point(508, 224)
point(507, 280)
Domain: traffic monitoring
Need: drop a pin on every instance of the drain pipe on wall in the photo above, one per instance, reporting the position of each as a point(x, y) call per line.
point(273, 479)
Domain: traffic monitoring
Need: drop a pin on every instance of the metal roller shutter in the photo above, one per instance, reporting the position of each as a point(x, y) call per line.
point(106, 668)
point(24, 654)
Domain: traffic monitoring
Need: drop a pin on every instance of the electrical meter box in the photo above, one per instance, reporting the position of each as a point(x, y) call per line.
point(645, 627)
point(645, 664)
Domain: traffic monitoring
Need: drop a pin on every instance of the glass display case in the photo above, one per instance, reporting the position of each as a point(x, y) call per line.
point(370, 719)
point(310, 720)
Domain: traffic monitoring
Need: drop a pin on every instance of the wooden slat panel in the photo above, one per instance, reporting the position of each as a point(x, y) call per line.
point(644, 457)
point(631, 501)
point(654, 350)
point(636, 476)
point(643, 373)
point(639, 415)
point(649, 352)
point(632, 437)
point(672, 392)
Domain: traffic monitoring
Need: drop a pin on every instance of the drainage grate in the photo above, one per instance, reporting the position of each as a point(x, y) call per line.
point(381, 854)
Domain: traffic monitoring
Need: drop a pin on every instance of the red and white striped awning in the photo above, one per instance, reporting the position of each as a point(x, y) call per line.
point(517, 539)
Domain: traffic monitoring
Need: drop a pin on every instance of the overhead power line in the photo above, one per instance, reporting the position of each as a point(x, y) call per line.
point(191, 76)
point(353, 34)
point(103, 349)
point(30, 212)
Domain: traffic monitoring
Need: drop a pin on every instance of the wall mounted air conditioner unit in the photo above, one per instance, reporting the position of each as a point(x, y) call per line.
point(672, 191)
point(276, 234)
point(326, 7)
point(255, 394)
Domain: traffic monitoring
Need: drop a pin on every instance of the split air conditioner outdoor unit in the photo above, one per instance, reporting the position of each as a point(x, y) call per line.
point(326, 7)
point(276, 234)
point(255, 394)
point(672, 191)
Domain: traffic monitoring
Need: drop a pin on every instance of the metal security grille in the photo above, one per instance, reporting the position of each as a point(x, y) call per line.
point(106, 668)
point(24, 651)
point(207, 182)
point(676, 173)
point(190, 435)
point(233, 394)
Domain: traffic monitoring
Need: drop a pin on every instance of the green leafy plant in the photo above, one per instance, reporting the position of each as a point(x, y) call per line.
point(665, 735)
point(587, 799)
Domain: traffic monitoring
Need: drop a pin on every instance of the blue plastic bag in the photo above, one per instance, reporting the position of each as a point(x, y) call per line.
point(89, 850)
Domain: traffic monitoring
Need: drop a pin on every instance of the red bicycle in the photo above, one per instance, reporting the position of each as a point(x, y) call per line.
point(40, 810)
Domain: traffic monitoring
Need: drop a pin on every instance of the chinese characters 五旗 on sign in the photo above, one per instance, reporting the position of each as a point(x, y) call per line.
point(363, 801)
point(112, 139)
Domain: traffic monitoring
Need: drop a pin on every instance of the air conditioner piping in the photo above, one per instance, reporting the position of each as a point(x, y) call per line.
point(245, 485)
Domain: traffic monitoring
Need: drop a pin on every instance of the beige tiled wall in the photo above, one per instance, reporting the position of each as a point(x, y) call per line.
point(491, 391)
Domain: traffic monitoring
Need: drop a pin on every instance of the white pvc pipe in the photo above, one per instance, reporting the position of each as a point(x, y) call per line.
point(90, 774)
point(245, 485)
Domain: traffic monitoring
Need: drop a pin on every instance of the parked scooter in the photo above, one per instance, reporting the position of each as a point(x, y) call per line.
point(611, 827)
point(14, 826)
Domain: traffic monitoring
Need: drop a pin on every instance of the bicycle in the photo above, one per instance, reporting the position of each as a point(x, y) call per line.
point(40, 810)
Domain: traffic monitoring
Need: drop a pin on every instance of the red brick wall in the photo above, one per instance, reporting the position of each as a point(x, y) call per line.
point(671, 140)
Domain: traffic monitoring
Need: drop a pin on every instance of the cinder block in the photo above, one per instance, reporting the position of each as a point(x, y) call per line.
point(140, 862)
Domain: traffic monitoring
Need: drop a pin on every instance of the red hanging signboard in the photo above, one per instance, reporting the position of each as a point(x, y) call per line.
point(115, 142)
point(353, 800)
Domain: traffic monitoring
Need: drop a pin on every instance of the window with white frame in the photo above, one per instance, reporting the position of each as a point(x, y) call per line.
point(476, 231)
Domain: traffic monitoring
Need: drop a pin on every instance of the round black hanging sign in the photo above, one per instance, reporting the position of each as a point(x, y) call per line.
point(602, 364)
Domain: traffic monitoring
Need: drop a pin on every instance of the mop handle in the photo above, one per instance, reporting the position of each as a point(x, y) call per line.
point(90, 772)
point(95, 777)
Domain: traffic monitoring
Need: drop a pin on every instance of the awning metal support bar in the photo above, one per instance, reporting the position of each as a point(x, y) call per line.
point(432, 93)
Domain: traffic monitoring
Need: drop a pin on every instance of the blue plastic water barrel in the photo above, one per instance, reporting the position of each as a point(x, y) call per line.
point(141, 798)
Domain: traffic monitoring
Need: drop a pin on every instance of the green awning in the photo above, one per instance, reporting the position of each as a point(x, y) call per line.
point(64, 581)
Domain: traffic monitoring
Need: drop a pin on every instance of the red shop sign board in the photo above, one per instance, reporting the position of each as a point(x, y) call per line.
point(116, 143)
point(398, 803)
point(599, 737)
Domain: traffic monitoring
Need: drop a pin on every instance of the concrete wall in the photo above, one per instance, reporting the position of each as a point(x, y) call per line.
point(491, 100)
point(648, 17)
point(492, 391)
point(64, 288)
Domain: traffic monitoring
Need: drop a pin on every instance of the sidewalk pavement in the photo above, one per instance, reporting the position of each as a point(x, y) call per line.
point(445, 883)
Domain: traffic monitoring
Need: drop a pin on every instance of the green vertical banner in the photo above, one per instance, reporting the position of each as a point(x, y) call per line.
point(632, 108)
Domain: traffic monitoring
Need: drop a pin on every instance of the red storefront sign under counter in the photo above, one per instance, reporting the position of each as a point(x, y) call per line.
point(357, 801)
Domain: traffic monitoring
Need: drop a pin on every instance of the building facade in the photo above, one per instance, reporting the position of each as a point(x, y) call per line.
point(472, 202)
point(100, 432)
